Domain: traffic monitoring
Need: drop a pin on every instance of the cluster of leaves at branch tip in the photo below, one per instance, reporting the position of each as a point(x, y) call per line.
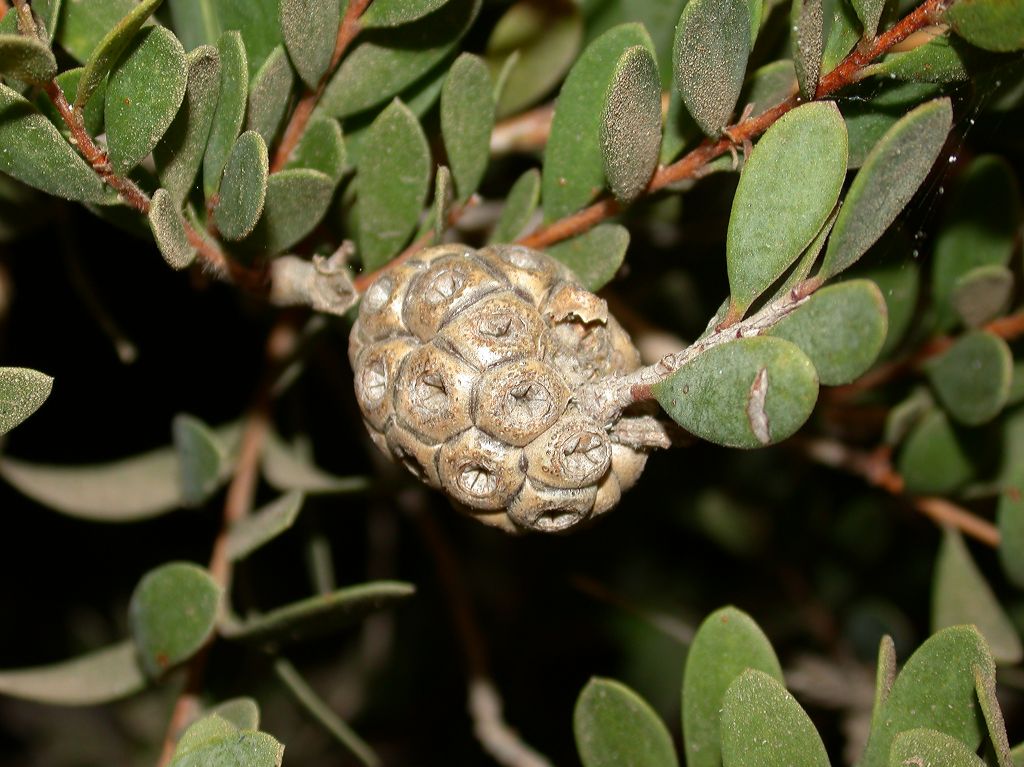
point(253, 136)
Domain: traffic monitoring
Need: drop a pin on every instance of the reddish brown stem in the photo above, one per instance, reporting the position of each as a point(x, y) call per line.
point(949, 514)
point(347, 31)
point(691, 165)
point(4, 8)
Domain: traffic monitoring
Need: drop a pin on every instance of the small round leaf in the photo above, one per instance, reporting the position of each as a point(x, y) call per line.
point(22, 392)
point(631, 123)
point(596, 255)
point(615, 726)
point(168, 228)
point(972, 378)
point(173, 612)
point(933, 461)
point(243, 190)
point(996, 25)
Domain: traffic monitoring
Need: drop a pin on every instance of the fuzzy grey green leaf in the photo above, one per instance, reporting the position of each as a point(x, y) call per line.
point(615, 726)
point(972, 377)
point(243, 191)
point(36, 153)
point(98, 677)
point(596, 255)
point(85, 23)
point(145, 90)
point(395, 147)
point(172, 612)
point(808, 44)
point(763, 724)
point(168, 227)
point(322, 148)
point(467, 118)
point(110, 48)
point(180, 153)
point(961, 595)
point(26, 58)
point(387, 61)
point(230, 110)
point(982, 294)
point(310, 30)
point(201, 458)
point(925, 747)
point(263, 525)
point(709, 54)
point(631, 123)
point(573, 172)
point(296, 201)
point(995, 25)
point(22, 392)
point(788, 189)
point(270, 94)
point(891, 174)
point(257, 22)
point(520, 205)
point(394, 13)
point(727, 643)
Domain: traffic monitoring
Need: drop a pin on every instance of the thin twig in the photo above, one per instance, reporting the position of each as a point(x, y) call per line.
point(690, 166)
point(484, 701)
point(525, 132)
point(237, 505)
point(876, 468)
point(347, 31)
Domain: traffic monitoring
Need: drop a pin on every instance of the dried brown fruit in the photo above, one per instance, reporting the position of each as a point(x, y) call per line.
point(466, 366)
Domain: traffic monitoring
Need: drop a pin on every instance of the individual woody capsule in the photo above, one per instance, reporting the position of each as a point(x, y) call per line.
point(517, 401)
point(574, 452)
point(479, 471)
point(380, 309)
point(498, 327)
point(627, 464)
point(432, 393)
point(530, 272)
point(609, 493)
point(442, 290)
point(551, 509)
point(376, 370)
point(413, 453)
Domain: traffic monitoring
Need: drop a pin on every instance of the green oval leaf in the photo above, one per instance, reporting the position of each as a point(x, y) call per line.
point(319, 615)
point(727, 643)
point(145, 90)
point(257, 21)
point(995, 25)
point(269, 96)
point(122, 491)
point(22, 392)
point(788, 189)
point(243, 190)
point(924, 747)
point(941, 670)
point(985, 686)
point(395, 147)
point(180, 153)
point(264, 525)
point(960, 595)
point(389, 60)
point(26, 58)
point(891, 174)
point(201, 459)
point(195, 22)
point(982, 294)
point(520, 204)
point(85, 23)
point(172, 613)
point(285, 470)
point(532, 46)
point(296, 201)
point(98, 677)
point(972, 378)
point(615, 726)
point(596, 255)
point(631, 123)
point(808, 44)
point(747, 393)
point(573, 172)
point(842, 36)
point(310, 31)
point(243, 713)
point(467, 118)
point(841, 328)
point(709, 58)
point(394, 13)
point(322, 148)
point(215, 742)
point(942, 59)
point(110, 48)
point(1010, 518)
point(933, 461)
point(980, 229)
point(230, 110)
point(870, 13)
point(36, 154)
point(763, 724)
point(868, 120)
point(168, 227)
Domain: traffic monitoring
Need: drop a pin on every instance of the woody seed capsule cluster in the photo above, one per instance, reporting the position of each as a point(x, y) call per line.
point(466, 364)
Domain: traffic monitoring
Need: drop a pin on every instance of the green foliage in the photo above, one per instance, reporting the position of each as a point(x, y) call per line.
point(678, 156)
